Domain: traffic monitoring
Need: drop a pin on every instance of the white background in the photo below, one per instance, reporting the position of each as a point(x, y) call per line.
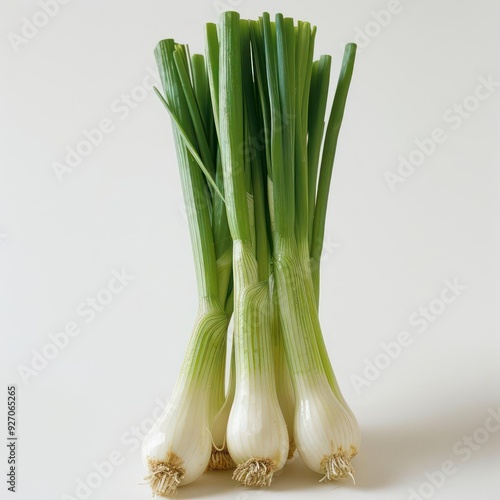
point(388, 253)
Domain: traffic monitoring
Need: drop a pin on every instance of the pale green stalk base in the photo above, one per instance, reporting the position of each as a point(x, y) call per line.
point(306, 349)
point(219, 426)
point(284, 388)
point(169, 464)
point(306, 277)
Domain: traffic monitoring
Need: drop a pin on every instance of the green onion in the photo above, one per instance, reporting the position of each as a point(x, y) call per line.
point(327, 435)
point(178, 448)
point(257, 436)
point(256, 165)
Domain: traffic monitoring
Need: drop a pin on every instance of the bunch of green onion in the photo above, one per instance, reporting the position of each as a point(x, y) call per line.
point(256, 162)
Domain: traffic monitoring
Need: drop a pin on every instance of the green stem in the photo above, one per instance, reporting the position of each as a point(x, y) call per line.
point(316, 126)
point(231, 128)
point(196, 196)
point(330, 147)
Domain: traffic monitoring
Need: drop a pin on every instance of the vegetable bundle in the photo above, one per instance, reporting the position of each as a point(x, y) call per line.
point(256, 163)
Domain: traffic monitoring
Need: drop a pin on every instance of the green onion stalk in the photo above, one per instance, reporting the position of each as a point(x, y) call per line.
point(257, 436)
point(326, 432)
point(179, 446)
